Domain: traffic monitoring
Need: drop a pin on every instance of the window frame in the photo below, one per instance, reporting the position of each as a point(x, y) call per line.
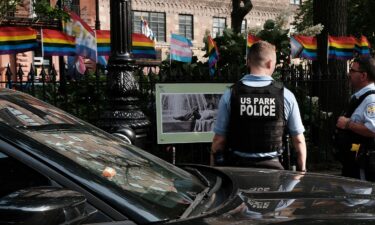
point(295, 2)
point(220, 29)
point(244, 30)
point(191, 37)
point(147, 15)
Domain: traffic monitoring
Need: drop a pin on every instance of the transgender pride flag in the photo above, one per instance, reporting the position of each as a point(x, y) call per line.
point(180, 48)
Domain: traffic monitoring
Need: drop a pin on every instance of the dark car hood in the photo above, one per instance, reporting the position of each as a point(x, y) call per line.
point(283, 197)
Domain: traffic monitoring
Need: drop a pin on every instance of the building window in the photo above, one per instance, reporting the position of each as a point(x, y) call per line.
point(218, 26)
point(185, 24)
point(72, 5)
point(244, 26)
point(155, 20)
point(295, 2)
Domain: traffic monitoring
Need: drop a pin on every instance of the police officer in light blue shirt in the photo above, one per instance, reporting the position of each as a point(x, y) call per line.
point(365, 112)
point(357, 126)
point(257, 104)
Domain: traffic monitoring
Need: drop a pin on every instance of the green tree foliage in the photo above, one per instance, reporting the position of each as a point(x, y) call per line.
point(232, 51)
point(8, 6)
point(362, 19)
point(43, 9)
point(275, 34)
point(304, 17)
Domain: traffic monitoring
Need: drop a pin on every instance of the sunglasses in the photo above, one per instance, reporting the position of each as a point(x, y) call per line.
point(351, 70)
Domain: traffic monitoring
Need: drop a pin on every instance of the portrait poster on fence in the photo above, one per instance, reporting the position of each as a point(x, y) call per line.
point(186, 112)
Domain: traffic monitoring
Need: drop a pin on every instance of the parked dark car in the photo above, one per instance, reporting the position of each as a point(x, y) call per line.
point(57, 169)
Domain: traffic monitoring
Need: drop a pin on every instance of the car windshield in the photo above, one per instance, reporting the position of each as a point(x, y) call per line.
point(164, 187)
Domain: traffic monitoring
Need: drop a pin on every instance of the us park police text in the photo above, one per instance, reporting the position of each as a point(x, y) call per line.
point(258, 106)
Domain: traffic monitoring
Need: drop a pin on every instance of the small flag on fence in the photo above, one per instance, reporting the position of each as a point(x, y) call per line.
point(85, 36)
point(251, 39)
point(103, 60)
point(309, 44)
point(213, 55)
point(362, 46)
point(103, 41)
point(341, 47)
point(143, 47)
point(295, 48)
point(17, 39)
point(180, 48)
point(55, 42)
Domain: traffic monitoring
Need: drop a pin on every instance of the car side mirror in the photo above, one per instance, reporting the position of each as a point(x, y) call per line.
point(43, 206)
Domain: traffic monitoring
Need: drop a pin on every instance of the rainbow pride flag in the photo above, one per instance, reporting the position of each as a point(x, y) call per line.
point(213, 55)
point(309, 44)
point(362, 46)
point(251, 39)
point(103, 41)
point(295, 48)
point(55, 42)
point(341, 47)
point(143, 47)
point(17, 39)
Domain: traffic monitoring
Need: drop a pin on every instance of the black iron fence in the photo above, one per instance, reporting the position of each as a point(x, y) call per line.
point(320, 101)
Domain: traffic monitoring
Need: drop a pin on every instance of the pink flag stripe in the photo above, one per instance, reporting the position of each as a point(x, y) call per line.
point(179, 43)
point(180, 53)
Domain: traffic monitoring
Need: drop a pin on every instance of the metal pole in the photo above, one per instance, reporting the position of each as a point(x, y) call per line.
point(123, 115)
point(97, 20)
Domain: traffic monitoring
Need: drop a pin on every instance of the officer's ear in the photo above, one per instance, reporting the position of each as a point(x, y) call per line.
point(268, 64)
point(364, 76)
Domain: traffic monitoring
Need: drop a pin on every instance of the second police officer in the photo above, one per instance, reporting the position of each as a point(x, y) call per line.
point(355, 136)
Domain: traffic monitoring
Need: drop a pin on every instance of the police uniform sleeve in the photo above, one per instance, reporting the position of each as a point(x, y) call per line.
point(222, 119)
point(292, 114)
point(368, 105)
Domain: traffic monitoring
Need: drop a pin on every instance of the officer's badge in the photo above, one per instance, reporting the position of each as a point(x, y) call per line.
point(370, 110)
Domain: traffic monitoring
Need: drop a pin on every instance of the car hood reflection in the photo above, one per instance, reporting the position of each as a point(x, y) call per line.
point(271, 196)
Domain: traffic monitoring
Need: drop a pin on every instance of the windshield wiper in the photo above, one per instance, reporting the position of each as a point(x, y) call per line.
point(196, 201)
point(200, 176)
point(206, 193)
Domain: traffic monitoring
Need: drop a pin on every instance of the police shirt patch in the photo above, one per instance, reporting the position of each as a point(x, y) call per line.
point(370, 110)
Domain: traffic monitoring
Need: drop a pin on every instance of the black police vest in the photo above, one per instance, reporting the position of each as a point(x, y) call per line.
point(257, 118)
point(345, 138)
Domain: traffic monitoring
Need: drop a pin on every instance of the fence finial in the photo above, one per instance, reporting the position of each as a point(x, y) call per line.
point(9, 75)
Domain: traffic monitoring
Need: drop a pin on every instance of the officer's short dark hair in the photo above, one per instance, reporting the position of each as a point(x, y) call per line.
point(259, 51)
point(366, 64)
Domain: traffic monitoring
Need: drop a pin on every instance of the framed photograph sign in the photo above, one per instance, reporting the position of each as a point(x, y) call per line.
point(186, 112)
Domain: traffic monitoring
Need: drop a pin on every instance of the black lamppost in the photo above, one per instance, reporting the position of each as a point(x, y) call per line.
point(123, 115)
point(97, 21)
